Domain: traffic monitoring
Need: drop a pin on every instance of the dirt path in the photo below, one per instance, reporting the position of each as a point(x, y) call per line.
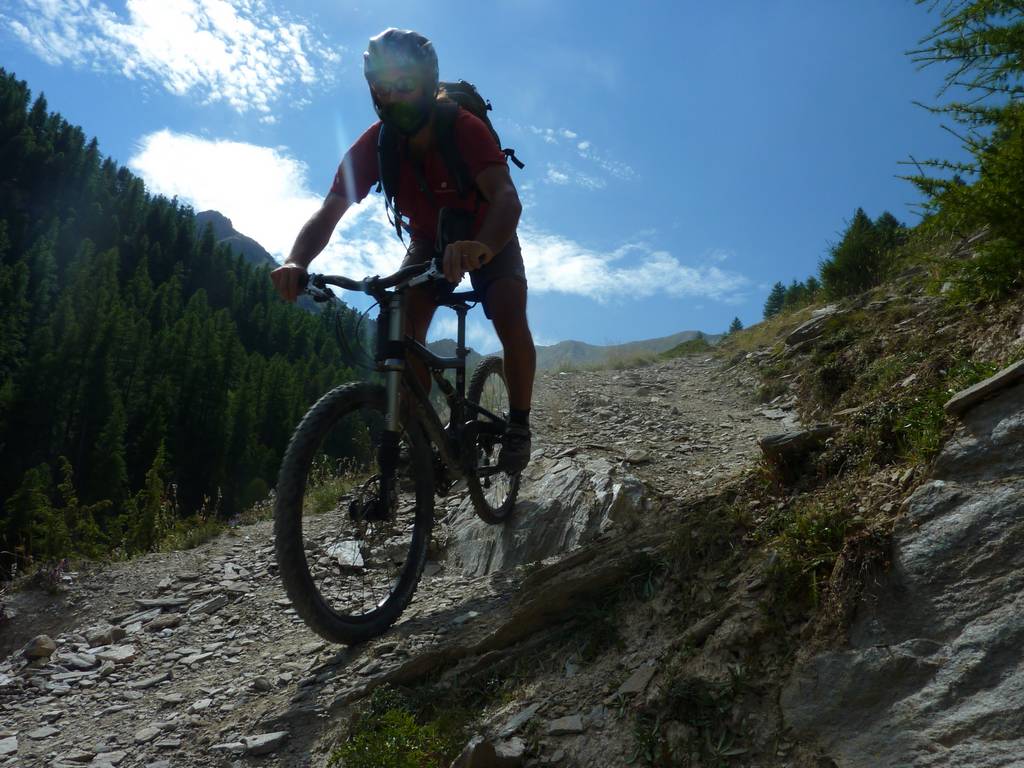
point(227, 663)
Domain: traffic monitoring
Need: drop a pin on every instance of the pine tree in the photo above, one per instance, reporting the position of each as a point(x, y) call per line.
point(735, 325)
point(857, 262)
point(14, 318)
point(796, 295)
point(773, 304)
point(980, 44)
point(30, 515)
point(150, 523)
point(80, 519)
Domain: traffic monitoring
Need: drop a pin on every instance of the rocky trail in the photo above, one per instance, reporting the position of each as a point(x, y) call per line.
point(195, 658)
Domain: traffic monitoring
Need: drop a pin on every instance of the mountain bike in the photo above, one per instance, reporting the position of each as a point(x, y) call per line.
point(350, 567)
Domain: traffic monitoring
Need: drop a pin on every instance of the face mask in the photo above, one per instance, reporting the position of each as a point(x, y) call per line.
point(407, 117)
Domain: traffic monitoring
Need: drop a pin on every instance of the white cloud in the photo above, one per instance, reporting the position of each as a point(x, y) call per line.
point(583, 149)
point(236, 52)
point(557, 177)
point(558, 264)
point(481, 337)
point(444, 326)
point(563, 174)
point(265, 192)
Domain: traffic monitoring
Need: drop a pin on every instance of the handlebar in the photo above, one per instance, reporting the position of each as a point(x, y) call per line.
point(414, 274)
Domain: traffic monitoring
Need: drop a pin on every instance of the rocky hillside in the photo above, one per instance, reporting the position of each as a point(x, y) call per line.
point(225, 234)
point(668, 593)
point(579, 354)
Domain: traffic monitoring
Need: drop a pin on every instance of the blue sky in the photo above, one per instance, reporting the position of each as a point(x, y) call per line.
point(681, 156)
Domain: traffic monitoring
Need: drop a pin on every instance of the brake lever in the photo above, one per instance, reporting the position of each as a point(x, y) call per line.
point(320, 294)
point(432, 273)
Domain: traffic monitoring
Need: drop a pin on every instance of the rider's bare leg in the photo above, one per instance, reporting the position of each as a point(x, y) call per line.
point(419, 311)
point(506, 301)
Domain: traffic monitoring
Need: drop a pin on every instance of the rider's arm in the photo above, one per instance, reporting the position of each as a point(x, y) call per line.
point(499, 225)
point(316, 233)
point(498, 228)
point(313, 238)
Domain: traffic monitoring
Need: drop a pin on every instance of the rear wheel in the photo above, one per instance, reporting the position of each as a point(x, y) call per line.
point(351, 556)
point(492, 490)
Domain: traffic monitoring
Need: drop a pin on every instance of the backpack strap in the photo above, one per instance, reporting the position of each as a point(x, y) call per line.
point(387, 175)
point(444, 126)
point(511, 155)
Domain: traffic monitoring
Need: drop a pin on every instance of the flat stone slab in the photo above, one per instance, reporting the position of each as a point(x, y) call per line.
point(519, 719)
point(105, 759)
point(161, 602)
point(230, 747)
point(211, 605)
point(808, 330)
point(638, 681)
point(78, 661)
point(963, 401)
point(565, 726)
point(8, 746)
point(264, 743)
point(43, 733)
point(119, 654)
point(149, 682)
point(77, 756)
point(166, 621)
point(141, 617)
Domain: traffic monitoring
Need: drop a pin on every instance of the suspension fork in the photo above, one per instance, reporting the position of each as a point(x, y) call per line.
point(394, 366)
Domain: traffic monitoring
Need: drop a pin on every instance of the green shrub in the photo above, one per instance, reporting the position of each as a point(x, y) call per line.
point(695, 346)
point(395, 740)
point(389, 731)
point(810, 536)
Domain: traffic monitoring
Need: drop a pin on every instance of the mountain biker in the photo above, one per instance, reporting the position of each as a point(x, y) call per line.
point(401, 70)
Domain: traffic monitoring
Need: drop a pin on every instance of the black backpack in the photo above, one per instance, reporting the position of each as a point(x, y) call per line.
point(460, 94)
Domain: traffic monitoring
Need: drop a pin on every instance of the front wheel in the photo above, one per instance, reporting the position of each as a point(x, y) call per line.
point(492, 490)
point(350, 554)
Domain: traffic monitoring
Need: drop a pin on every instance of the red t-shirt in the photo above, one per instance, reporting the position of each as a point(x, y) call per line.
point(358, 172)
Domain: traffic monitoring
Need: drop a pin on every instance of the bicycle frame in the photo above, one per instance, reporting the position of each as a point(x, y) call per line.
point(392, 353)
point(396, 372)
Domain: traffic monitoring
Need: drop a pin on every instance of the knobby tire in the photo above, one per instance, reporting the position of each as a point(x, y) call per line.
point(482, 491)
point(293, 565)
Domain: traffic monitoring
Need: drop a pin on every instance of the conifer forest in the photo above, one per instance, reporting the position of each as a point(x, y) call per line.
point(148, 376)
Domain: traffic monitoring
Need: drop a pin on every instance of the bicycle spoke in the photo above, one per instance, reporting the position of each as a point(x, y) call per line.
point(493, 490)
point(357, 548)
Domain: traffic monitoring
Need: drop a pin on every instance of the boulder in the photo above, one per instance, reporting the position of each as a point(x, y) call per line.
point(104, 634)
point(39, 647)
point(563, 504)
point(482, 753)
point(786, 452)
point(932, 675)
point(812, 328)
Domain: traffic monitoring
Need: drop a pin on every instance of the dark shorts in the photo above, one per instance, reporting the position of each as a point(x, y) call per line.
point(508, 263)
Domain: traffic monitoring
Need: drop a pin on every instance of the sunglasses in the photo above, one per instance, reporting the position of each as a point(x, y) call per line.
point(403, 86)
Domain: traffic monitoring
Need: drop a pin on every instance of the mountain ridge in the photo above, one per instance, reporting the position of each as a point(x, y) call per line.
point(569, 352)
